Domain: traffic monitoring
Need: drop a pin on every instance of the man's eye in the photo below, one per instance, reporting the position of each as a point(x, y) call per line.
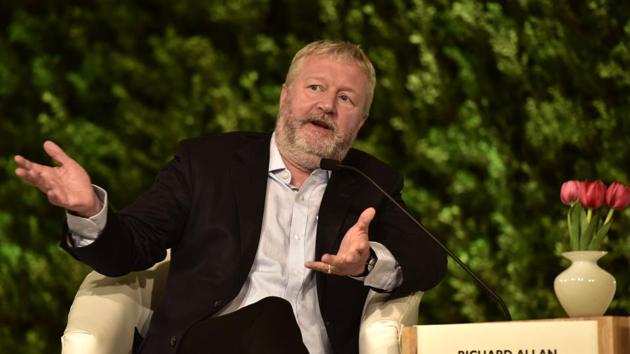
point(346, 98)
point(314, 87)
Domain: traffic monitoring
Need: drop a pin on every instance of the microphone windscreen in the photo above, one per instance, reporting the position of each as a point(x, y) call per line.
point(329, 164)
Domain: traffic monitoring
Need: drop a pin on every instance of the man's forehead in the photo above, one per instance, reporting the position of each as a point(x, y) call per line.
point(330, 58)
point(314, 66)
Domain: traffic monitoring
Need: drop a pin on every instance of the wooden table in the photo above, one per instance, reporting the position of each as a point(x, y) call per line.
point(610, 335)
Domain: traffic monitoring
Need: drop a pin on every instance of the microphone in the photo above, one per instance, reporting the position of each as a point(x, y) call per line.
point(334, 165)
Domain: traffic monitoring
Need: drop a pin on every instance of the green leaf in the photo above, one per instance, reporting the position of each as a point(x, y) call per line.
point(583, 229)
point(574, 219)
point(587, 234)
point(596, 243)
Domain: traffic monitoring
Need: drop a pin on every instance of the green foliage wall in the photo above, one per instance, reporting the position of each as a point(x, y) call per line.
point(487, 106)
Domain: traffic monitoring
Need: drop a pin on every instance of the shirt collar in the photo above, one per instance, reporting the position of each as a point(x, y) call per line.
point(276, 165)
point(275, 160)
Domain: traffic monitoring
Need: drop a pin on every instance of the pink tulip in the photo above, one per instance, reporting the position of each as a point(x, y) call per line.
point(618, 196)
point(569, 192)
point(592, 194)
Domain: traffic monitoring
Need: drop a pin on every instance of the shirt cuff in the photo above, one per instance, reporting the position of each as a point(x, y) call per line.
point(386, 274)
point(84, 231)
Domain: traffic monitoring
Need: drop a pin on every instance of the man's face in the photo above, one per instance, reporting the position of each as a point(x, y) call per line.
point(321, 110)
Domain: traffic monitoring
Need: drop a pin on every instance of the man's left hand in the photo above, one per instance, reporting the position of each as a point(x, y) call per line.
point(353, 253)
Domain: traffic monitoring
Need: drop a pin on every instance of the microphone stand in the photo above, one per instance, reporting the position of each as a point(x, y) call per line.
point(332, 165)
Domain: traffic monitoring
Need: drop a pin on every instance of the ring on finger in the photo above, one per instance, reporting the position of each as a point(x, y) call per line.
point(329, 269)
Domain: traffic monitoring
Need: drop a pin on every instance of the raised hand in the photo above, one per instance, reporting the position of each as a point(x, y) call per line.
point(66, 185)
point(353, 252)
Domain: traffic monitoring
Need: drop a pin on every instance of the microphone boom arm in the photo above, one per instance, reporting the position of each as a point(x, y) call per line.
point(328, 164)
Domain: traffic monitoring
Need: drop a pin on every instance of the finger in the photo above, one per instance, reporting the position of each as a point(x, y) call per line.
point(28, 166)
point(319, 266)
point(22, 162)
point(30, 175)
point(33, 178)
point(24, 176)
point(34, 174)
point(365, 218)
point(53, 150)
point(332, 259)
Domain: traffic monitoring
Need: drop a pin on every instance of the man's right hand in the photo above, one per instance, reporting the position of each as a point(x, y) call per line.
point(66, 185)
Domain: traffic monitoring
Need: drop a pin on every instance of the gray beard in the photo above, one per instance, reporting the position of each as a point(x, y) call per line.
point(293, 143)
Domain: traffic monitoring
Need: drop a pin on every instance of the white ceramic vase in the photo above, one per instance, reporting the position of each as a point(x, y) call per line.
point(584, 289)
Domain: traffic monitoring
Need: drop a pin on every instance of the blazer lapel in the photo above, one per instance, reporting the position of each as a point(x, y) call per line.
point(249, 175)
point(332, 211)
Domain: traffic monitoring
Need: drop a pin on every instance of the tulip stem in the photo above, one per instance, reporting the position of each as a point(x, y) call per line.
point(589, 215)
point(609, 216)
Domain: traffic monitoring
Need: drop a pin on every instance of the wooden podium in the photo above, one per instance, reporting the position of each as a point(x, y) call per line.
point(587, 335)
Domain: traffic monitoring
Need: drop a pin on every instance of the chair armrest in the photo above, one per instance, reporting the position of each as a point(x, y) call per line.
point(383, 319)
point(106, 310)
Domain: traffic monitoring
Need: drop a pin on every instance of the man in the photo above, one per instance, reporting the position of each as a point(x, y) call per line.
point(250, 217)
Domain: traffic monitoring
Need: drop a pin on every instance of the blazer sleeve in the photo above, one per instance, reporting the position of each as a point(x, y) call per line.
point(138, 236)
point(422, 261)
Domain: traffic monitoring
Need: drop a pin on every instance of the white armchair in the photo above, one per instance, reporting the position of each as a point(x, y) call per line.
point(106, 310)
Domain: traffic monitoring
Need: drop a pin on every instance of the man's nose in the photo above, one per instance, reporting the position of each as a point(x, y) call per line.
point(328, 103)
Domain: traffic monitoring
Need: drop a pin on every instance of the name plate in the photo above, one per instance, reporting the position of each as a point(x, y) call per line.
point(527, 337)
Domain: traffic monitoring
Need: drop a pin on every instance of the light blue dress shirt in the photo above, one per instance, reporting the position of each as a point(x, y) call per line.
point(287, 241)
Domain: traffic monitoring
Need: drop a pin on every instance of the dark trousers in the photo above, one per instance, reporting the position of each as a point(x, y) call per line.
point(265, 327)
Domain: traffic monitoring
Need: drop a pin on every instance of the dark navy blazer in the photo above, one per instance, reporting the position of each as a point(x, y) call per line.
point(207, 206)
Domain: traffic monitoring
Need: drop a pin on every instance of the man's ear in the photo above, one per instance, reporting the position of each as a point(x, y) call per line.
point(283, 92)
point(363, 120)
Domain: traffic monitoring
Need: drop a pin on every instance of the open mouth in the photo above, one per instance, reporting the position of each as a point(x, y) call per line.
point(321, 124)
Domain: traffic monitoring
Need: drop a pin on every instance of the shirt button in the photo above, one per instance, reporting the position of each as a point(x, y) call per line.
point(301, 198)
point(173, 341)
point(297, 237)
point(284, 174)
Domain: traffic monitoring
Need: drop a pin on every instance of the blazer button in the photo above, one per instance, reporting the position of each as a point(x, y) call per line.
point(218, 303)
point(173, 341)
